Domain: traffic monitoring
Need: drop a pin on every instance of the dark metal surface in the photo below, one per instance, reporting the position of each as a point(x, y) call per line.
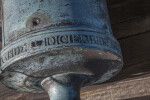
point(64, 86)
point(46, 38)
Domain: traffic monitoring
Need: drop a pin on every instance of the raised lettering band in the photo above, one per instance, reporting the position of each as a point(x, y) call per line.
point(49, 41)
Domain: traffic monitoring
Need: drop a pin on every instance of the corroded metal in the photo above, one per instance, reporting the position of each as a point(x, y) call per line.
point(66, 86)
point(46, 38)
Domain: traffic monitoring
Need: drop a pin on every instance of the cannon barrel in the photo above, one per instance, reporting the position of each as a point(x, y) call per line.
point(57, 46)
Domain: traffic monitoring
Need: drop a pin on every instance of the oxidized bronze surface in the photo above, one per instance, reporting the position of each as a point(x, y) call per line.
point(48, 38)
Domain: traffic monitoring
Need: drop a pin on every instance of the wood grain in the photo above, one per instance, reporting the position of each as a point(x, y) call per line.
point(136, 53)
point(129, 17)
point(123, 90)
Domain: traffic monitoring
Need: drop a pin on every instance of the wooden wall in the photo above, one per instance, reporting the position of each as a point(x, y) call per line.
point(130, 21)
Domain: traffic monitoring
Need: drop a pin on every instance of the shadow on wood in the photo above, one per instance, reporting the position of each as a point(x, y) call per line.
point(140, 98)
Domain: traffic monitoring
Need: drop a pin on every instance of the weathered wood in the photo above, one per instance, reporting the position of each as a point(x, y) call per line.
point(124, 10)
point(129, 17)
point(131, 28)
point(123, 90)
point(136, 53)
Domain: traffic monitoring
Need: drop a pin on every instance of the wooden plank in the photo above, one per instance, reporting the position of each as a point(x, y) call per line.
point(136, 49)
point(129, 17)
point(131, 28)
point(123, 10)
point(136, 53)
point(131, 89)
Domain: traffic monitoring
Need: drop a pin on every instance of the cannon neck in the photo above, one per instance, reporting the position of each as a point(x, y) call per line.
point(64, 87)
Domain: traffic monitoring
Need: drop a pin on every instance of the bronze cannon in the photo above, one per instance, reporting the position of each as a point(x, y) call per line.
point(58, 46)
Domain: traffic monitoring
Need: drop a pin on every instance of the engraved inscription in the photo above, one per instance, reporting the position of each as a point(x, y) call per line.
point(76, 39)
point(37, 43)
point(13, 52)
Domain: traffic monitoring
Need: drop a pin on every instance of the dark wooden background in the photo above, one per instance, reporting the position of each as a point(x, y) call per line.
point(130, 21)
